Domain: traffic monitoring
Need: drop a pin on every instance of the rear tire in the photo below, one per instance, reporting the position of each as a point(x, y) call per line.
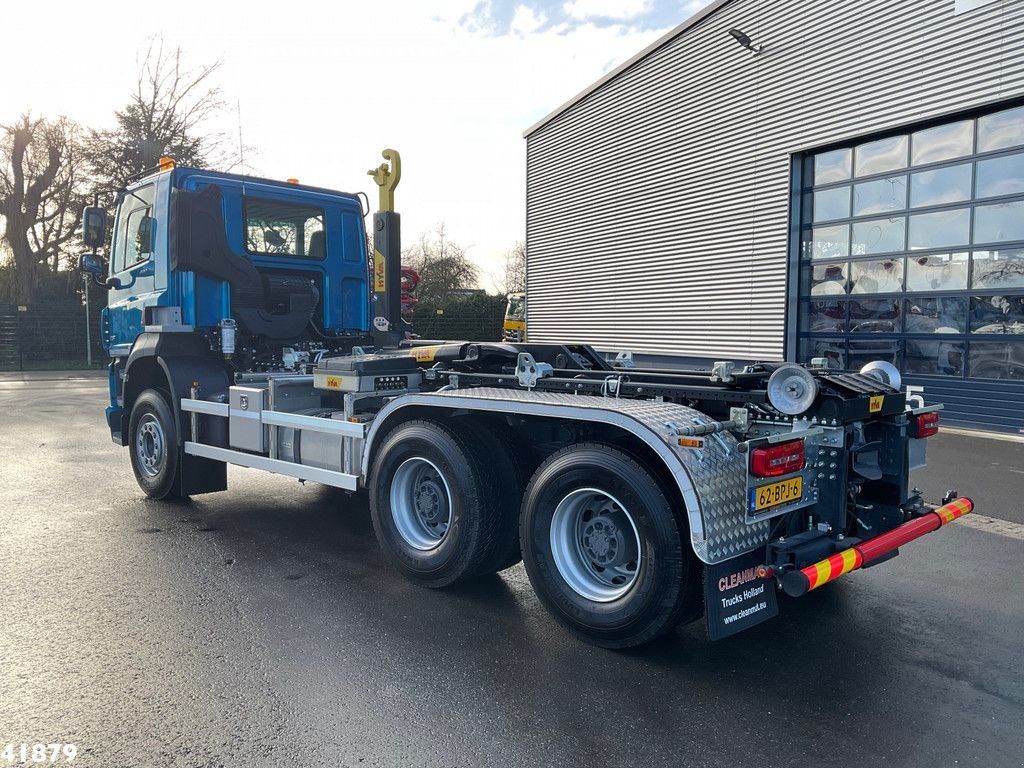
point(602, 547)
point(499, 460)
point(432, 504)
point(153, 446)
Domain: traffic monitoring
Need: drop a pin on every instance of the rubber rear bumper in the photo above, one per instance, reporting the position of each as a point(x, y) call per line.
point(800, 582)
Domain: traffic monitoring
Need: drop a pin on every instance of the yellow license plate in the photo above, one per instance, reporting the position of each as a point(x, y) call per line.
point(774, 494)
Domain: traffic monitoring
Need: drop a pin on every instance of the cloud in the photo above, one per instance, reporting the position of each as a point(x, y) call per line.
point(526, 21)
point(621, 10)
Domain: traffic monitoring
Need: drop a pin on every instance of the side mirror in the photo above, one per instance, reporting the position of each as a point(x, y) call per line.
point(94, 226)
point(90, 263)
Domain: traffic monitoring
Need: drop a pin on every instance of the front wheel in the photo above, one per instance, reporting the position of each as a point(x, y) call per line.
point(603, 549)
point(154, 449)
point(435, 505)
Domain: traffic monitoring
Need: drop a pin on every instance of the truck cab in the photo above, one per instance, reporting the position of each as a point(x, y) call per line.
point(212, 275)
point(514, 326)
point(306, 248)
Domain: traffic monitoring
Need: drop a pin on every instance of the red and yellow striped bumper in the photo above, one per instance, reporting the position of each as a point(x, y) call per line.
point(800, 582)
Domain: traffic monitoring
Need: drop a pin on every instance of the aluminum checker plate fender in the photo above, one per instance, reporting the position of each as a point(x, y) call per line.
point(711, 479)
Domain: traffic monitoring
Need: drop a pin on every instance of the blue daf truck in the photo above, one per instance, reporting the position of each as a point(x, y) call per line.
point(249, 323)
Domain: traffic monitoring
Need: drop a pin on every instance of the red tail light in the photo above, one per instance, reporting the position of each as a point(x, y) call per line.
point(775, 460)
point(927, 424)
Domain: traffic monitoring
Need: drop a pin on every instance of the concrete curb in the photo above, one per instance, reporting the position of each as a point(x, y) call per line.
point(52, 375)
point(963, 432)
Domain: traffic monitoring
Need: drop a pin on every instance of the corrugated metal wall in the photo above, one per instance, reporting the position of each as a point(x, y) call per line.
point(657, 206)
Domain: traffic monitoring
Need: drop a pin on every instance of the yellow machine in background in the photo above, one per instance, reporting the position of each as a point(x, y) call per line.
point(514, 328)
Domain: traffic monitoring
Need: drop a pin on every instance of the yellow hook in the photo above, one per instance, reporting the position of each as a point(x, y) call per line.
point(387, 178)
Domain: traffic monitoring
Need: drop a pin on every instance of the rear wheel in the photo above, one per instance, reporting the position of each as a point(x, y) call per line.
point(155, 454)
point(500, 461)
point(432, 504)
point(602, 547)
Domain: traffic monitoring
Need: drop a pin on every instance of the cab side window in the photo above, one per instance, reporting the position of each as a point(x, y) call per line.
point(133, 239)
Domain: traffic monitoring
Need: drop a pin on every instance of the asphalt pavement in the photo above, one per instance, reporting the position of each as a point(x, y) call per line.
point(261, 627)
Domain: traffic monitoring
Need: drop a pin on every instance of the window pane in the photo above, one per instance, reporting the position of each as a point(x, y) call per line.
point(828, 279)
point(940, 230)
point(832, 166)
point(943, 142)
point(937, 358)
point(875, 316)
point(997, 314)
point(885, 276)
point(938, 272)
point(283, 229)
point(999, 223)
point(134, 250)
point(880, 196)
point(823, 316)
point(833, 350)
point(863, 352)
point(878, 236)
point(881, 156)
point(124, 241)
point(997, 360)
point(998, 269)
point(828, 242)
point(831, 203)
point(943, 185)
point(1001, 130)
point(1001, 176)
point(942, 314)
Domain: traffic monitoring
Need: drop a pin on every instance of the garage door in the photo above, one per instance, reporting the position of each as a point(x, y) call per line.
point(912, 251)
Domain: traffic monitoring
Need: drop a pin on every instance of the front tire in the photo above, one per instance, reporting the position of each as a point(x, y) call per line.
point(603, 549)
point(153, 441)
point(434, 505)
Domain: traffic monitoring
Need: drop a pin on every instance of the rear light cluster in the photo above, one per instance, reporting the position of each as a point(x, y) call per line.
point(927, 424)
point(775, 460)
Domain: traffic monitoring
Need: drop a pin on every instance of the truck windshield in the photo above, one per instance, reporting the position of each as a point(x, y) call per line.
point(283, 229)
point(516, 309)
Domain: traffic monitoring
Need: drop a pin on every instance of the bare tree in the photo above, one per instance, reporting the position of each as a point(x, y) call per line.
point(515, 269)
point(41, 165)
point(165, 117)
point(443, 266)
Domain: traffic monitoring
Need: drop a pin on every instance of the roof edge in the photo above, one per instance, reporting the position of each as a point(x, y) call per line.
point(692, 21)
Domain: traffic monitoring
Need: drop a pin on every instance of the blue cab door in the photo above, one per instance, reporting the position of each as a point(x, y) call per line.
point(132, 262)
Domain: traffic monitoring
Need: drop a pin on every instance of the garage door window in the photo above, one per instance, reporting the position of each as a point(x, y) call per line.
point(913, 250)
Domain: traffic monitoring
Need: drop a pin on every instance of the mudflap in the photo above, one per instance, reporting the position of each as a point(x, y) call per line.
point(201, 475)
point(735, 597)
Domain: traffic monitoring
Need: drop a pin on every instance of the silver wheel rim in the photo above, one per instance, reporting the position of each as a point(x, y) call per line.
point(595, 545)
point(150, 445)
point(421, 504)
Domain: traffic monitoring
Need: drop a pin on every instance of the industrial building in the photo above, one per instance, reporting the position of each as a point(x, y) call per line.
point(798, 179)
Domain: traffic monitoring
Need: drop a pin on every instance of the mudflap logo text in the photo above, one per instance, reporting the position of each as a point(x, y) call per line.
point(734, 580)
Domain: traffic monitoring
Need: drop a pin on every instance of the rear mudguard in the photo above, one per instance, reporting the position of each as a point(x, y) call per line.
point(711, 479)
